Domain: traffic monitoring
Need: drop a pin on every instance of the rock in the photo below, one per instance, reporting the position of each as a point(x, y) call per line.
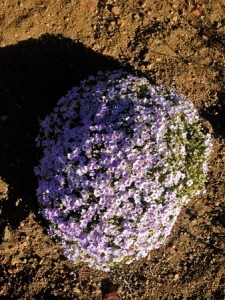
point(3, 190)
point(7, 234)
point(176, 277)
point(116, 10)
point(196, 12)
point(91, 6)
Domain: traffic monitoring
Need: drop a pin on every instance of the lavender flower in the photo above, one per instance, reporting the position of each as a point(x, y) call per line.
point(121, 157)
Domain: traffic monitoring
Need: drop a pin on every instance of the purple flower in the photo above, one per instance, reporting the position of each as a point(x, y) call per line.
point(120, 159)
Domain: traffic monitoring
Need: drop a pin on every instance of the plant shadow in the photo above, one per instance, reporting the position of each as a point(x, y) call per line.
point(35, 74)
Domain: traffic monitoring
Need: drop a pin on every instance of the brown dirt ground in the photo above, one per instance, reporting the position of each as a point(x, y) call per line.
point(49, 46)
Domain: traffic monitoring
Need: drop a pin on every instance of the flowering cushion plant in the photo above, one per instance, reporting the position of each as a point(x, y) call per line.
point(121, 157)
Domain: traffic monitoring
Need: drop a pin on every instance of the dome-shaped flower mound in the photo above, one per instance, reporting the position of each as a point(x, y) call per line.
point(121, 157)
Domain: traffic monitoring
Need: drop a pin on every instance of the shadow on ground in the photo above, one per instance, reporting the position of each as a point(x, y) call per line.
point(34, 74)
point(215, 114)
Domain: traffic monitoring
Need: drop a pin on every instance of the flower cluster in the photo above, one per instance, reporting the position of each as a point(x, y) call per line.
point(120, 159)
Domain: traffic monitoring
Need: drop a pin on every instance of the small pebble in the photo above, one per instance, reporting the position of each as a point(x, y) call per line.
point(116, 10)
point(91, 6)
point(196, 12)
point(176, 277)
point(120, 23)
point(174, 19)
point(7, 234)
